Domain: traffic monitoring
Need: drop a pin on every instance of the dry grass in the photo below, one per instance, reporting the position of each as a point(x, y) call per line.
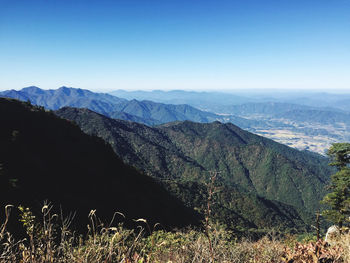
point(49, 239)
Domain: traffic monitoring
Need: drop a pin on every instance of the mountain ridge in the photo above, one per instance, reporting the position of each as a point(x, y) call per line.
point(146, 112)
point(182, 154)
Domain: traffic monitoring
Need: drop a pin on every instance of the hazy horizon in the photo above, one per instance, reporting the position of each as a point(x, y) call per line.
point(189, 45)
point(229, 91)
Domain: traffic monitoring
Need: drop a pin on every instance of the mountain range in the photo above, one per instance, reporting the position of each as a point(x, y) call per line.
point(55, 99)
point(306, 120)
point(217, 101)
point(205, 100)
point(283, 118)
point(142, 111)
point(146, 112)
point(262, 184)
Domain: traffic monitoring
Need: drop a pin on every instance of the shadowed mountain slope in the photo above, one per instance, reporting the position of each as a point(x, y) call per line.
point(258, 177)
point(45, 157)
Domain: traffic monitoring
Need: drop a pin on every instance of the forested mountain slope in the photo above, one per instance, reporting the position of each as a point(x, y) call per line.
point(272, 170)
point(44, 157)
point(258, 177)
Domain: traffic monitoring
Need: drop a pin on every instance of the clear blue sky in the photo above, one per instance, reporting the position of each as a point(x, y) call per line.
point(175, 44)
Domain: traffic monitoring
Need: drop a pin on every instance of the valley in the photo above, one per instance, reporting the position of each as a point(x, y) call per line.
point(314, 136)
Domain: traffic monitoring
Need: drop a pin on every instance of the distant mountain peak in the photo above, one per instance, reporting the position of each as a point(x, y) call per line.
point(32, 89)
point(70, 90)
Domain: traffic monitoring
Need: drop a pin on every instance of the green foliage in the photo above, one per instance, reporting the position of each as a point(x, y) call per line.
point(339, 197)
point(27, 219)
point(340, 154)
point(306, 238)
point(262, 184)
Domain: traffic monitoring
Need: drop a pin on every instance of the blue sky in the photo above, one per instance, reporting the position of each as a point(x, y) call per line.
point(192, 44)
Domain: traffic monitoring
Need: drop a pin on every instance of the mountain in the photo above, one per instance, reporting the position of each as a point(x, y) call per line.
point(64, 96)
point(130, 117)
point(323, 99)
point(44, 157)
point(258, 164)
point(164, 112)
point(217, 101)
point(262, 183)
point(323, 117)
point(202, 100)
point(252, 108)
point(146, 112)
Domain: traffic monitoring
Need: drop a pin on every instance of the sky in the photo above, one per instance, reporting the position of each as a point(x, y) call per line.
point(174, 44)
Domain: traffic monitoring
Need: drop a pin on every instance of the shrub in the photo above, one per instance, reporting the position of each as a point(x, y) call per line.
point(49, 239)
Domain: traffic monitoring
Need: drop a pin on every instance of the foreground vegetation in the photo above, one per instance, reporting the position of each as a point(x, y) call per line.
point(48, 238)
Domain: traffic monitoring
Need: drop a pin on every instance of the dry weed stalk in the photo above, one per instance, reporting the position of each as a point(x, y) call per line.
point(53, 241)
point(7, 216)
point(211, 190)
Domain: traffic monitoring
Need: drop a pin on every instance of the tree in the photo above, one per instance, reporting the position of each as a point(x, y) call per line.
point(338, 199)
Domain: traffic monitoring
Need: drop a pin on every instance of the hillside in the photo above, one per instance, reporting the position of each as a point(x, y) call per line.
point(258, 177)
point(258, 164)
point(44, 157)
